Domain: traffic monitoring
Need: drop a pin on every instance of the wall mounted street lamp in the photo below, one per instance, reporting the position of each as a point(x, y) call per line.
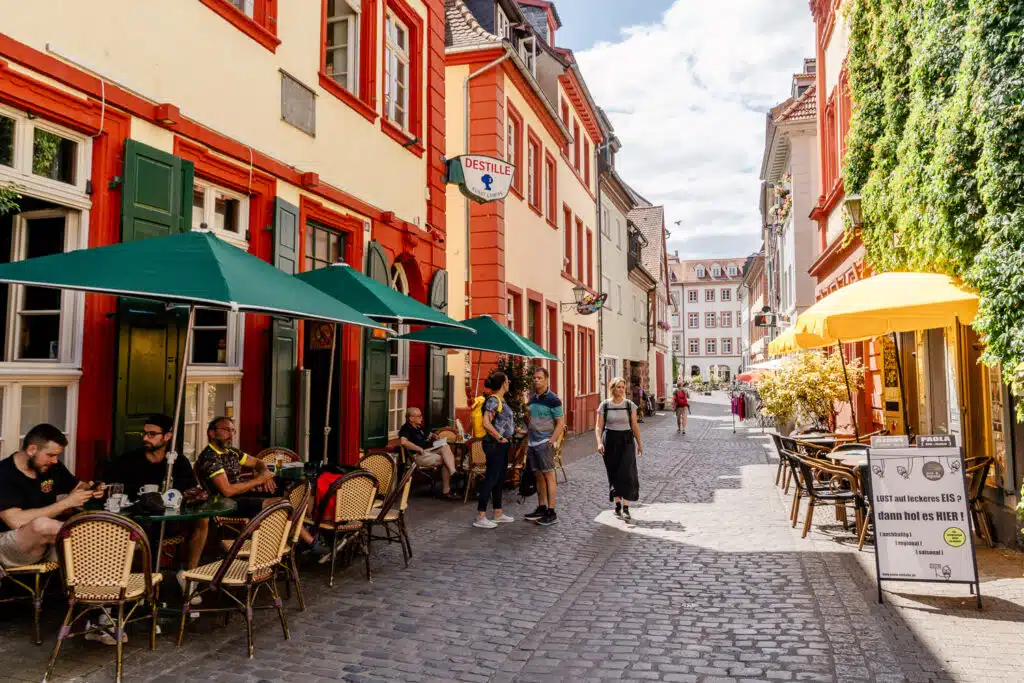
point(852, 204)
point(579, 293)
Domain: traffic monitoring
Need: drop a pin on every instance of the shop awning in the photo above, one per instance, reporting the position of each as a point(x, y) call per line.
point(193, 268)
point(887, 303)
point(374, 299)
point(483, 333)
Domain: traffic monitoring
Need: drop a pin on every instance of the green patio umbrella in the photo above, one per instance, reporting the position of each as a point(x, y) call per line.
point(192, 268)
point(490, 336)
point(374, 300)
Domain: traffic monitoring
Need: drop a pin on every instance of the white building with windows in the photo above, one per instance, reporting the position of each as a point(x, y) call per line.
point(710, 338)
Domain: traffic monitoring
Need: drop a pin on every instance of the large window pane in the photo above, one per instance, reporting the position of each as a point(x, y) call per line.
point(342, 48)
point(39, 310)
point(247, 7)
point(210, 337)
point(198, 207)
point(43, 404)
point(191, 443)
point(53, 156)
point(225, 214)
point(6, 143)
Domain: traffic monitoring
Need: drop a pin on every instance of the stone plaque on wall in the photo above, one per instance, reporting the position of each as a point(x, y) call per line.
point(298, 104)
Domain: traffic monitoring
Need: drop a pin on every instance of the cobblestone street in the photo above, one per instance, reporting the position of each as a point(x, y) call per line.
point(709, 583)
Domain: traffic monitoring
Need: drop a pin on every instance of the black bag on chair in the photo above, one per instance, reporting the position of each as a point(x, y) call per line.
point(527, 484)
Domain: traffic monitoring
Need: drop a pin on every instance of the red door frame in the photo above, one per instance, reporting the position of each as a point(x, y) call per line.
point(569, 363)
point(552, 315)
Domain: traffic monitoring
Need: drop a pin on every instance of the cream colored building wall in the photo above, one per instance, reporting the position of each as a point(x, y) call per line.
point(455, 237)
point(618, 324)
point(193, 58)
point(835, 52)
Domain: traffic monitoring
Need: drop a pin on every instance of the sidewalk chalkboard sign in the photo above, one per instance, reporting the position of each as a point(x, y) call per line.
point(921, 513)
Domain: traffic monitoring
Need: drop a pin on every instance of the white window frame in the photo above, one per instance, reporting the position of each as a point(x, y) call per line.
point(210, 191)
point(726, 295)
point(199, 377)
point(246, 7)
point(606, 288)
point(716, 270)
point(676, 344)
point(235, 344)
point(733, 271)
point(711, 347)
point(354, 22)
point(527, 50)
point(65, 371)
point(618, 291)
point(510, 141)
point(547, 206)
point(692, 318)
point(394, 55)
point(606, 228)
point(710, 320)
point(726, 318)
point(701, 272)
point(398, 390)
point(709, 295)
point(726, 342)
point(694, 347)
point(691, 296)
point(531, 173)
point(502, 26)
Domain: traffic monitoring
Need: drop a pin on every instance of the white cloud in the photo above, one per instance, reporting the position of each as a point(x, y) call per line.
point(688, 98)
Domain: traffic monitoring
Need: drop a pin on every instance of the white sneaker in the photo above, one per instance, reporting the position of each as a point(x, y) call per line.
point(104, 637)
point(484, 523)
point(504, 519)
point(196, 599)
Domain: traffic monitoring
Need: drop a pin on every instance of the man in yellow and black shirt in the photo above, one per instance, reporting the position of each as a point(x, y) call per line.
point(220, 468)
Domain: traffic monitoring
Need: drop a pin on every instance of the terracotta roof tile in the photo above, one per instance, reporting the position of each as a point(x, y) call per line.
point(803, 108)
point(462, 30)
point(650, 221)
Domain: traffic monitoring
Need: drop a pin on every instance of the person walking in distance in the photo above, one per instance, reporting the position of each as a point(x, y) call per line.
point(499, 425)
point(681, 402)
point(547, 423)
point(618, 440)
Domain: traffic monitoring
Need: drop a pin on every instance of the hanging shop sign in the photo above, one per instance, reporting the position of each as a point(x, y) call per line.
point(481, 178)
point(921, 513)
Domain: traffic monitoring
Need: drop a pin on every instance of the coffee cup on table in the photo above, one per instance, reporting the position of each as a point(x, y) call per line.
point(149, 488)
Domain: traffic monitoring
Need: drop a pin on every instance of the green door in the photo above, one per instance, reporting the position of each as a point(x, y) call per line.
point(376, 363)
point(437, 358)
point(284, 340)
point(156, 200)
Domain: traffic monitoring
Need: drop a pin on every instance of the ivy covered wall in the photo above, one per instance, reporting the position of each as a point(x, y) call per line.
point(936, 149)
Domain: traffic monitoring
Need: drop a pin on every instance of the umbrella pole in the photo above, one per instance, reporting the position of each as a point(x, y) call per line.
point(479, 361)
point(903, 394)
point(849, 394)
point(172, 454)
point(330, 381)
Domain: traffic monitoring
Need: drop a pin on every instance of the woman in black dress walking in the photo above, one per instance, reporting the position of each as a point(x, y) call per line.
point(618, 440)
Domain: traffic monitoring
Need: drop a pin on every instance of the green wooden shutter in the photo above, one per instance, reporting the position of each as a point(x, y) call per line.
point(437, 358)
point(156, 199)
point(376, 363)
point(156, 196)
point(284, 342)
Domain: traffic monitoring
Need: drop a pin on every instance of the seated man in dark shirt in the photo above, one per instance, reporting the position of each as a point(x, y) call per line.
point(31, 481)
point(148, 466)
point(418, 441)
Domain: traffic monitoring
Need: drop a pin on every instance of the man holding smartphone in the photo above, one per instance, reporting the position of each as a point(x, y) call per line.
point(31, 481)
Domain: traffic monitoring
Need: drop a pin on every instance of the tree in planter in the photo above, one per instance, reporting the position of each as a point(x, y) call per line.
point(807, 388)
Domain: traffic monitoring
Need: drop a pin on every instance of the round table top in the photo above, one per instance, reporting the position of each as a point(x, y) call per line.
point(211, 508)
point(853, 459)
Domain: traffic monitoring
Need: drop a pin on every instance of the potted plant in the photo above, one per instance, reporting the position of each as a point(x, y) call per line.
point(807, 389)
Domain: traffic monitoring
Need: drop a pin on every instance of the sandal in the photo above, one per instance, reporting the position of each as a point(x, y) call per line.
point(451, 495)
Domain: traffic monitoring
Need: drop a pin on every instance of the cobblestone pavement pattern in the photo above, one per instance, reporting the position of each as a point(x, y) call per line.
point(709, 583)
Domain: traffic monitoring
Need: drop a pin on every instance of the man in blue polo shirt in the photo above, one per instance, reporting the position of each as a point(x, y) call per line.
point(547, 423)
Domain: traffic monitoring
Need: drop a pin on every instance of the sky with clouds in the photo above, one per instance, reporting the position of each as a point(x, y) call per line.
point(687, 85)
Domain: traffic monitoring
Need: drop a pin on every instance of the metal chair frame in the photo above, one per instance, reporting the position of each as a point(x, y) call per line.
point(137, 537)
point(35, 590)
point(349, 528)
point(384, 518)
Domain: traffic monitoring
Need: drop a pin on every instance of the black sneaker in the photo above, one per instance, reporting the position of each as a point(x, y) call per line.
point(625, 514)
point(537, 514)
point(548, 519)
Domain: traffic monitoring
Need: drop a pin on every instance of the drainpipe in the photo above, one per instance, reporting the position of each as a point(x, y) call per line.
point(465, 150)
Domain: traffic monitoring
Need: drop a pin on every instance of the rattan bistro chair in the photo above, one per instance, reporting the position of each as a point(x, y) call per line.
point(30, 578)
point(300, 497)
point(839, 488)
point(271, 456)
point(342, 513)
point(391, 516)
point(267, 535)
point(559, 463)
point(976, 470)
point(96, 550)
point(384, 467)
point(476, 468)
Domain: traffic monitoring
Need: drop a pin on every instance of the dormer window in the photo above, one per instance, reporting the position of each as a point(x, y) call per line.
point(701, 272)
point(528, 51)
point(716, 270)
point(502, 26)
point(733, 271)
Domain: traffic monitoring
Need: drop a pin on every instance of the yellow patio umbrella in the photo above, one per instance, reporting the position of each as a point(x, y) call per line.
point(886, 304)
point(790, 342)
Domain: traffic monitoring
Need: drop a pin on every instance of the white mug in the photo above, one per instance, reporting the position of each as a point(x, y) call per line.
point(149, 488)
point(120, 498)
